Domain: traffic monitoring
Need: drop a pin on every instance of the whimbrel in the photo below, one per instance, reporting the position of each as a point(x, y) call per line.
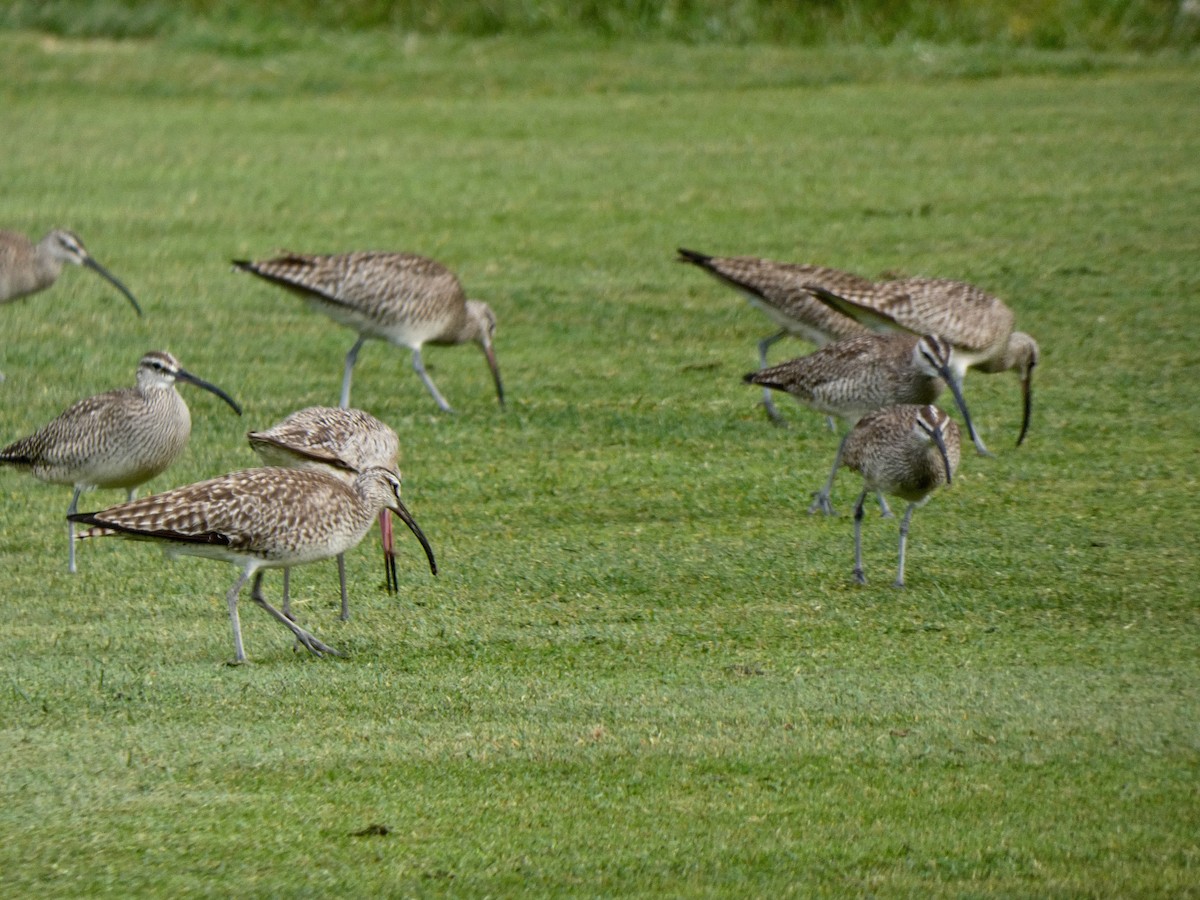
point(978, 325)
point(401, 298)
point(342, 442)
point(778, 289)
point(119, 439)
point(859, 375)
point(908, 451)
point(26, 267)
point(260, 519)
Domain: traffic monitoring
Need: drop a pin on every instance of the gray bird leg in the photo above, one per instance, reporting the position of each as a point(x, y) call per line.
point(351, 359)
point(904, 542)
point(239, 655)
point(341, 561)
point(71, 510)
point(313, 644)
point(821, 498)
point(768, 401)
point(287, 592)
point(419, 368)
point(859, 575)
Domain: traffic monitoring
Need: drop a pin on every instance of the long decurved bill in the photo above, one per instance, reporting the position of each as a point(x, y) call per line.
point(389, 551)
point(112, 279)
point(1027, 392)
point(956, 389)
point(940, 440)
point(183, 375)
point(406, 517)
point(490, 353)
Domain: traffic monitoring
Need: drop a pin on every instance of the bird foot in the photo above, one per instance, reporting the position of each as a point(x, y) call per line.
point(898, 583)
point(860, 577)
point(313, 644)
point(773, 414)
point(820, 504)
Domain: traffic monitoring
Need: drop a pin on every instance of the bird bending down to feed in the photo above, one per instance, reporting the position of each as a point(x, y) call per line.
point(779, 290)
point(404, 299)
point(978, 326)
point(859, 375)
point(26, 267)
point(342, 442)
point(119, 439)
point(907, 451)
point(261, 519)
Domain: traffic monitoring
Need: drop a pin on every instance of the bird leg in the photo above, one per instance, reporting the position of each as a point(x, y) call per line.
point(768, 401)
point(821, 497)
point(859, 575)
point(351, 359)
point(311, 643)
point(341, 563)
point(419, 368)
point(287, 592)
point(239, 654)
point(904, 542)
point(71, 510)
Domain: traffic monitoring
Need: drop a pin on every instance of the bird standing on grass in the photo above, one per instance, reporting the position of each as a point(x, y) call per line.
point(260, 519)
point(404, 299)
point(342, 442)
point(119, 439)
point(907, 451)
point(856, 376)
point(26, 267)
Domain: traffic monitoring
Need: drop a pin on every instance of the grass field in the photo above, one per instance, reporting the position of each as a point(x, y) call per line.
point(643, 669)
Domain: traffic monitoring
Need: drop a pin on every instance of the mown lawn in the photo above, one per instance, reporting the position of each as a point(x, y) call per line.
point(644, 669)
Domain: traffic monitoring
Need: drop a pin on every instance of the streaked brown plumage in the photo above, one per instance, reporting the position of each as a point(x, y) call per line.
point(259, 519)
point(342, 442)
point(854, 377)
point(401, 298)
point(778, 290)
point(119, 439)
point(907, 451)
point(977, 324)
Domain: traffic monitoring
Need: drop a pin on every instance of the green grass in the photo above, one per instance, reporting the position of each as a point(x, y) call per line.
point(643, 670)
point(1045, 24)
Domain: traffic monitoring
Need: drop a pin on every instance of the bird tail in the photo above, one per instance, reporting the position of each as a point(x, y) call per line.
point(767, 378)
point(693, 257)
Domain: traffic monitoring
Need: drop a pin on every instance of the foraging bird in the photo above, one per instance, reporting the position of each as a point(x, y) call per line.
point(859, 375)
point(119, 439)
point(342, 442)
point(978, 325)
point(260, 519)
point(778, 289)
point(908, 451)
point(404, 299)
point(26, 267)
